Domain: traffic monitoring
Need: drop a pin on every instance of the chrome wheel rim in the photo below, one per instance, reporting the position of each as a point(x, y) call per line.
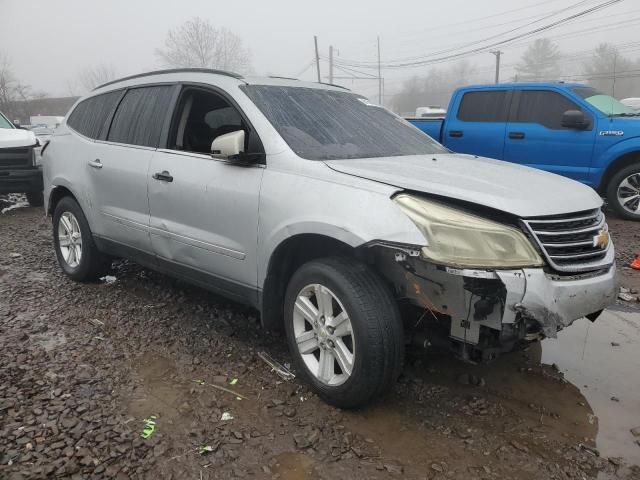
point(324, 335)
point(629, 193)
point(70, 239)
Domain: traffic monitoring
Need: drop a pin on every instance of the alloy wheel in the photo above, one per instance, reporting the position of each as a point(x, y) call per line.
point(70, 239)
point(629, 193)
point(324, 335)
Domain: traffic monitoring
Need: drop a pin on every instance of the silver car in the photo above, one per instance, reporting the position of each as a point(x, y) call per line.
point(342, 224)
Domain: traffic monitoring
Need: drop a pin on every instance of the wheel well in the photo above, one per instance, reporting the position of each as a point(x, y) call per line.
point(57, 194)
point(286, 259)
point(618, 164)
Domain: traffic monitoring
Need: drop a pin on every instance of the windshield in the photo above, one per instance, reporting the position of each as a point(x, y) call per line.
point(4, 123)
point(605, 103)
point(326, 125)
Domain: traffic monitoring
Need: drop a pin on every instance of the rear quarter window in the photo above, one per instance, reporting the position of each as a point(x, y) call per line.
point(489, 106)
point(90, 117)
point(140, 116)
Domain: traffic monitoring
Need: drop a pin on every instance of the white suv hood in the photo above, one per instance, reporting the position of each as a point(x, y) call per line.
point(522, 191)
point(16, 137)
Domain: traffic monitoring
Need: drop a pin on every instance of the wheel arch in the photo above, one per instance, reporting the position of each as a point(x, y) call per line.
point(58, 193)
point(286, 258)
point(621, 161)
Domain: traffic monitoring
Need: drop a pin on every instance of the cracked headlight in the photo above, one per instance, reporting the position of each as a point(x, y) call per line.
point(462, 239)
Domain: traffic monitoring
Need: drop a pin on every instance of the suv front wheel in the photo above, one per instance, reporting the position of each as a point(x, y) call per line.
point(344, 330)
point(73, 242)
point(623, 192)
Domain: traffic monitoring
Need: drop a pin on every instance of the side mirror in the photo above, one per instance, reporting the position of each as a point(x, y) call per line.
point(575, 119)
point(228, 145)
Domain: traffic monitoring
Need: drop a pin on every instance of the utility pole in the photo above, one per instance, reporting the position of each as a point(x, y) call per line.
point(379, 75)
point(330, 63)
point(497, 53)
point(315, 40)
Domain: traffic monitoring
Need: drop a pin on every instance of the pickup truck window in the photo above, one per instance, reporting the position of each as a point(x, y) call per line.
point(488, 106)
point(328, 125)
point(605, 103)
point(543, 107)
point(4, 122)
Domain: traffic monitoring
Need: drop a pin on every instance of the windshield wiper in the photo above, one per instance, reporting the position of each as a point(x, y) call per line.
point(637, 114)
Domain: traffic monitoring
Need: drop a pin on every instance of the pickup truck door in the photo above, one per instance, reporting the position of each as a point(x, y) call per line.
point(536, 137)
point(203, 210)
point(478, 126)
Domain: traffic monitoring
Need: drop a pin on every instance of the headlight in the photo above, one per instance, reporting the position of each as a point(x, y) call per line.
point(458, 238)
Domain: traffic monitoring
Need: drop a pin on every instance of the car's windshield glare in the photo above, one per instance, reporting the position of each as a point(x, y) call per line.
point(4, 123)
point(605, 103)
point(321, 124)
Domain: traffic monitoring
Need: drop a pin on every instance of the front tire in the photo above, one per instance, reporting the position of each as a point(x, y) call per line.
point(35, 199)
point(73, 242)
point(344, 331)
point(623, 192)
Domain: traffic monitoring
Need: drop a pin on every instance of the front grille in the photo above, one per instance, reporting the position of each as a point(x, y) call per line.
point(16, 157)
point(570, 242)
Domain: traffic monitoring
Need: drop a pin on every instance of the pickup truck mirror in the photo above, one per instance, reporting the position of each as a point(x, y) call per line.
point(228, 146)
point(575, 119)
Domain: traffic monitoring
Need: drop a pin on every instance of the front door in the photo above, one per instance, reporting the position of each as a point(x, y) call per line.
point(536, 138)
point(204, 211)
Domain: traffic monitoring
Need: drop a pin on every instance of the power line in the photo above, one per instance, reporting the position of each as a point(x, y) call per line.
point(394, 64)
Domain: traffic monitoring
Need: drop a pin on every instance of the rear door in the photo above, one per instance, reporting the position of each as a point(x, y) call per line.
point(479, 125)
point(118, 166)
point(536, 137)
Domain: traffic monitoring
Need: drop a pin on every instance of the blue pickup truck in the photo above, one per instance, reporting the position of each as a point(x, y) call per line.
point(568, 129)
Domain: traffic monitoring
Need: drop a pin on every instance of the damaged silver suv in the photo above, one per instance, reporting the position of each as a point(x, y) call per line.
point(328, 214)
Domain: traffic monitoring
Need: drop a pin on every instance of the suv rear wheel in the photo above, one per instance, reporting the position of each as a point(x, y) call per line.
point(623, 192)
point(344, 330)
point(73, 242)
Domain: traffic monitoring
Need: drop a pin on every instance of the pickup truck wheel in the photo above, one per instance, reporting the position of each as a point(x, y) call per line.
point(73, 242)
point(344, 330)
point(623, 192)
point(35, 199)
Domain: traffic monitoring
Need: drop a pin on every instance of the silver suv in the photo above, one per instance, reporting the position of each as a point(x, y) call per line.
point(341, 223)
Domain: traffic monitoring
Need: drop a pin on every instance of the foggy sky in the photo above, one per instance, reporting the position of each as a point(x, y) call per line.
point(50, 41)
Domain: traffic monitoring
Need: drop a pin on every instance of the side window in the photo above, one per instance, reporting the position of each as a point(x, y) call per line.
point(488, 106)
point(90, 116)
point(140, 116)
point(543, 107)
point(200, 118)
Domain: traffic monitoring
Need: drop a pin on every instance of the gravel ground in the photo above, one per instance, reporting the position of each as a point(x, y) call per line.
point(82, 366)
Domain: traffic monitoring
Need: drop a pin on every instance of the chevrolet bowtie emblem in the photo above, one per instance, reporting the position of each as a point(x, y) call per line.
point(602, 239)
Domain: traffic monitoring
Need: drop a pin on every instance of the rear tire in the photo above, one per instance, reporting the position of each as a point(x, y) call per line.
point(35, 199)
point(623, 192)
point(73, 241)
point(361, 335)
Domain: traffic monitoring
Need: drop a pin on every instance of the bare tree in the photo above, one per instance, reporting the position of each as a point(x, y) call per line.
point(609, 71)
point(90, 77)
point(197, 43)
point(541, 61)
point(13, 93)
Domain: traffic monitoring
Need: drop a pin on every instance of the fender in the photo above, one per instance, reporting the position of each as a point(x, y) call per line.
point(603, 162)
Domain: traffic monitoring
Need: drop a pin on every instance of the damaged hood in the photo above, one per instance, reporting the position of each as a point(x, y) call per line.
point(522, 191)
point(16, 137)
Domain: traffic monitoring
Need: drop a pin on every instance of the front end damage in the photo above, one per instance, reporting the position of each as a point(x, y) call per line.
point(481, 313)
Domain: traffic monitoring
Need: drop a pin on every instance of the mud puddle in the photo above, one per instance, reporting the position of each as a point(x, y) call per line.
point(603, 360)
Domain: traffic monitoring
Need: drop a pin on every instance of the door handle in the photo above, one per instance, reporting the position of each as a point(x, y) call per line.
point(163, 176)
point(516, 135)
point(95, 163)
point(456, 133)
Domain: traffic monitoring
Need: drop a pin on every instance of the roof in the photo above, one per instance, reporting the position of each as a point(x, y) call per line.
point(525, 84)
point(183, 72)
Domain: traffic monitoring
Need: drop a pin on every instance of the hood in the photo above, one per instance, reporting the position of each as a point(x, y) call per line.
point(522, 191)
point(16, 137)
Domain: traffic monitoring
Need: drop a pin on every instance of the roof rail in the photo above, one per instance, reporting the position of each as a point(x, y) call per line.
point(334, 85)
point(173, 70)
point(283, 78)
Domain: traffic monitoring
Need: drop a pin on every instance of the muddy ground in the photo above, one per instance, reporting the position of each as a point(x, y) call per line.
point(82, 365)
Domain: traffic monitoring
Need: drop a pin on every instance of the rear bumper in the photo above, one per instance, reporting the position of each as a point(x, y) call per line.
point(21, 180)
